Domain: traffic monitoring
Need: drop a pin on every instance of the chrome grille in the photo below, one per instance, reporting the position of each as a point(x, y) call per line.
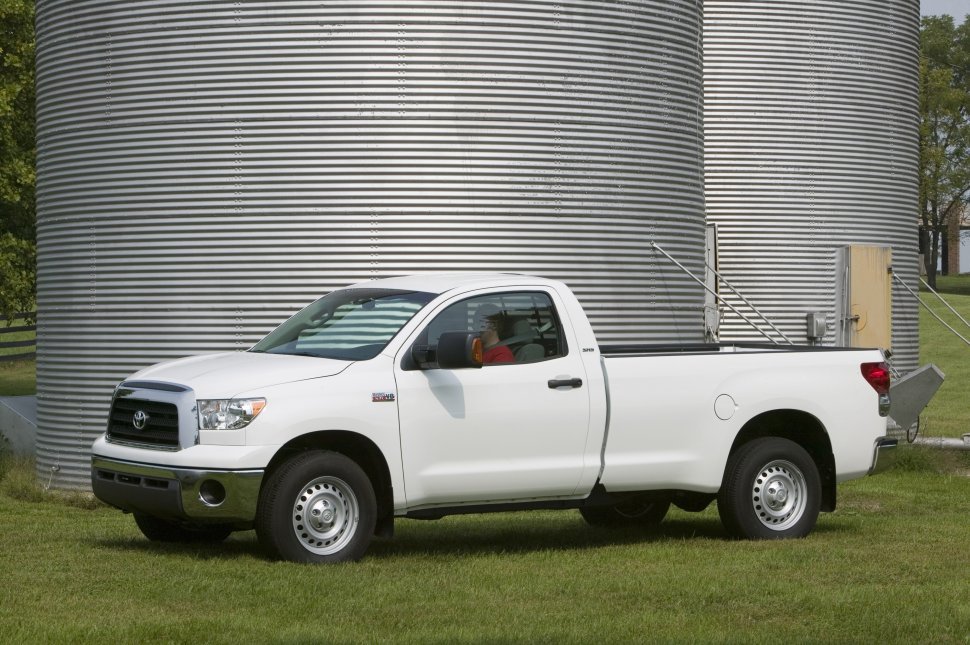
point(161, 426)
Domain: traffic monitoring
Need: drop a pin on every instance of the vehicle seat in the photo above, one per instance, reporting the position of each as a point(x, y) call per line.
point(525, 334)
point(529, 353)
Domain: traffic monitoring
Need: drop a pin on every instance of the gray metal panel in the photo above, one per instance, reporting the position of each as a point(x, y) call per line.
point(206, 168)
point(810, 129)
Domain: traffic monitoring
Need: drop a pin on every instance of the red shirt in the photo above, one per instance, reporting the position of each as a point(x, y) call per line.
point(498, 354)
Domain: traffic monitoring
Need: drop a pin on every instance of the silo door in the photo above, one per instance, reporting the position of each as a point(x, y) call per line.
point(867, 297)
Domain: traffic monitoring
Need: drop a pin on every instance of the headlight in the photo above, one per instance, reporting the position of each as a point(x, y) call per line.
point(228, 414)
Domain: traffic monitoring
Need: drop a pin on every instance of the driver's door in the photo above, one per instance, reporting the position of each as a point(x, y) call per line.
point(502, 432)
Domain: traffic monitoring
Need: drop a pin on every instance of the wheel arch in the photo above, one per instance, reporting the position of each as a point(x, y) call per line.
point(804, 429)
point(361, 450)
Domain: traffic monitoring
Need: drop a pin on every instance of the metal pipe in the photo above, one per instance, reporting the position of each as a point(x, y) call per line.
point(943, 442)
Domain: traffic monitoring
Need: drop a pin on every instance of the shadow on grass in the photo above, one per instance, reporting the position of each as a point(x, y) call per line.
point(240, 545)
point(440, 538)
point(499, 534)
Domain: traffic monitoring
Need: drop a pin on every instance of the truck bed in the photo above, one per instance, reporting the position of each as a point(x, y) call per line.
point(714, 348)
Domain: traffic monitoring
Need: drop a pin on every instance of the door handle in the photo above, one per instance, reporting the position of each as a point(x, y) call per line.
point(566, 382)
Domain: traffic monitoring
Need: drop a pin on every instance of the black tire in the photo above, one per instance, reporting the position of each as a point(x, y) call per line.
point(158, 530)
point(771, 490)
point(318, 507)
point(637, 512)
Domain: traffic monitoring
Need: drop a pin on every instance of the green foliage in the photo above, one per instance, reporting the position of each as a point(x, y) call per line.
point(944, 134)
point(18, 276)
point(17, 99)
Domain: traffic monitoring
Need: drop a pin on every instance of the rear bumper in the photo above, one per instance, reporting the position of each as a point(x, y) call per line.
point(883, 455)
point(179, 494)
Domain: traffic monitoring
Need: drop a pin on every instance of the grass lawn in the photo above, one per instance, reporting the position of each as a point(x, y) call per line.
point(18, 378)
point(888, 567)
point(948, 414)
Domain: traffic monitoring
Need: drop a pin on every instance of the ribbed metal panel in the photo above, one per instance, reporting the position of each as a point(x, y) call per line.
point(206, 168)
point(810, 128)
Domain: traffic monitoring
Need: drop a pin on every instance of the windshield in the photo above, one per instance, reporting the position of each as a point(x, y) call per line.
point(350, 324)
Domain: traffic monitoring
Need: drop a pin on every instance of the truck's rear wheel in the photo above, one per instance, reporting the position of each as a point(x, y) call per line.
point(771, 490)
point(158, 530)
point(637, 512)
point(317, 507)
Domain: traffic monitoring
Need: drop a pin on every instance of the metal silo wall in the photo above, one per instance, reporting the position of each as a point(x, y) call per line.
point(810, 126)
point(206, 168)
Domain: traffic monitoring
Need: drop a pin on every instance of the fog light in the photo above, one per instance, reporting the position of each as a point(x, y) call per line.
point(212, 493)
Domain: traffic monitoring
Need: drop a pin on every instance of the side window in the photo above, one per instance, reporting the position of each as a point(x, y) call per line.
point(516, 327)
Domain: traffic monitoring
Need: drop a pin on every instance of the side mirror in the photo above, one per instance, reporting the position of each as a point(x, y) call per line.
point(455, 350)
point(458, 349)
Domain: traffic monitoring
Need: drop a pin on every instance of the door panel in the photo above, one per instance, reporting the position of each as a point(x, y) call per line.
point(495, 433)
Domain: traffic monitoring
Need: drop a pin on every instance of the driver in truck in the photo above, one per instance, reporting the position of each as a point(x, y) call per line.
point(491, 321)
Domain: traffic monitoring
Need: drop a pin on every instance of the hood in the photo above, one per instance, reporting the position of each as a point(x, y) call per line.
point(222, 376)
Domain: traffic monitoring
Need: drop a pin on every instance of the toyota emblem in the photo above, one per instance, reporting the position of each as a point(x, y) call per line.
point(139, 420)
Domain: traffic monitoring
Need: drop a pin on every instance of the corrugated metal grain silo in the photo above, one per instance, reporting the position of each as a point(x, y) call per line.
point(810, 122)
point(205, 168)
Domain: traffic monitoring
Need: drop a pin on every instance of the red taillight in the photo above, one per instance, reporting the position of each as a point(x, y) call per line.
point(877, 375)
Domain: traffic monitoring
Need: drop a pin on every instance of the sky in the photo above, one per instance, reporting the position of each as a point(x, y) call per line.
point(956, 8)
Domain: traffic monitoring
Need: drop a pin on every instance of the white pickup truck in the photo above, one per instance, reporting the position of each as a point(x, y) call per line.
point(432, 395)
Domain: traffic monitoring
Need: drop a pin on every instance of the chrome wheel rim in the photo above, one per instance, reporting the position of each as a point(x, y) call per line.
point(779, 495)
point(325, 515)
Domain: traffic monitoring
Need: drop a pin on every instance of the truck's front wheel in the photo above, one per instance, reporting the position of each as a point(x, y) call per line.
point(317, 507)
point(771, 490)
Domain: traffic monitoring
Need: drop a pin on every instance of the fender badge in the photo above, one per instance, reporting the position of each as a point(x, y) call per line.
point(382, 397)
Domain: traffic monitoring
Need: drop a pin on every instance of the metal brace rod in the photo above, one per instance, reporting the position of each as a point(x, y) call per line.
point(947, 304)
point(745, 301)
point(927, 307)
point(713, 293)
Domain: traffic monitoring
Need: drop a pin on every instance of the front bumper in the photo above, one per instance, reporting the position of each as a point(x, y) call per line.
point(178, 494)
point(883, 455)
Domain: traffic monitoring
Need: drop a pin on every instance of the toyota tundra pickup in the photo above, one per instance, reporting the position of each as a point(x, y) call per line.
point(432, 395)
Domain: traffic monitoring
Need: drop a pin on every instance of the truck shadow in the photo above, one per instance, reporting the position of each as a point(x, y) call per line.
point(499, 534)
point(546, 534)
point(239, 545)
point(439, 539)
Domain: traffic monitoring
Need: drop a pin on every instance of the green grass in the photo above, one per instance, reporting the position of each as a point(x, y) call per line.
point(888, 567)
point(948, 414)
point(18, 378)
point(958, 284)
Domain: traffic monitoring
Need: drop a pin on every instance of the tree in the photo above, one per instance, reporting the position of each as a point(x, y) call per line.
point(18, 268)
point(944, 134)
point(17, 213)
point(18, 257)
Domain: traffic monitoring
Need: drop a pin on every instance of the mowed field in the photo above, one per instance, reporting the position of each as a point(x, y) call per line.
point(889, 566)
point(948, 414)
